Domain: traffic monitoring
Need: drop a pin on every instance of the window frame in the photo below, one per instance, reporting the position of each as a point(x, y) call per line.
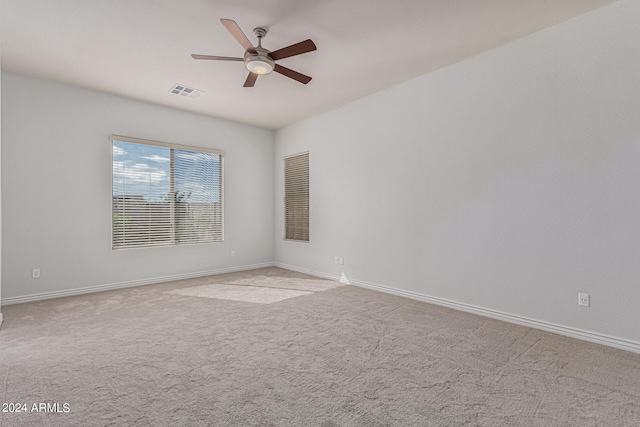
point(154, 143)
point(308, 200)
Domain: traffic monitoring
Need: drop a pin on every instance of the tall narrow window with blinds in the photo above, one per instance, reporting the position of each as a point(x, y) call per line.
point(296, 197)
point(165, 194)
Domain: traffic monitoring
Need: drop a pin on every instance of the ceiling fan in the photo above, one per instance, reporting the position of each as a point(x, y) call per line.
point(259, 60)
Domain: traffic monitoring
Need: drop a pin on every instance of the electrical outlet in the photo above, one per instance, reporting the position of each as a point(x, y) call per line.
point(233, 253)
point(335, 259)
point(583, 299)
point(35, 273)
point(341, 261)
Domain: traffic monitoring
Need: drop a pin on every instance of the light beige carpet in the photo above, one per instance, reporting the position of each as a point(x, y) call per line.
point(258, 289)
point(342, 356)
point(239, 293)
point(297, 283)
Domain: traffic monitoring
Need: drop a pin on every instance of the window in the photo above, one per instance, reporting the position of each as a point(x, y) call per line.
point(296, 197)
point(165, 194)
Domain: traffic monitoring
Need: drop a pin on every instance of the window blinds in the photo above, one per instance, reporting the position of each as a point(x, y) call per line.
point(296, 197)
point(165, 194)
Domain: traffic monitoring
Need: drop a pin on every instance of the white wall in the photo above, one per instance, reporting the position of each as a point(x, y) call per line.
point(56, 188)
point(509, 181)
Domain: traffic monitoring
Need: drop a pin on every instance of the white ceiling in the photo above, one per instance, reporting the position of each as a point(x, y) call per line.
point(141, 48)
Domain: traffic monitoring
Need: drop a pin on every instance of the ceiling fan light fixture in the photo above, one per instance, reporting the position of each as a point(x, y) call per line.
point(258, 62)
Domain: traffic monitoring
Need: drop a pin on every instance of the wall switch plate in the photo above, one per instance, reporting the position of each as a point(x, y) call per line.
point(35, 273)
point(233, 253)
point(335, 259)
point(583, 299)
point(341, 261)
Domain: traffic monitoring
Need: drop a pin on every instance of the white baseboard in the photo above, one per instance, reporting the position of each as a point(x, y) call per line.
point(307, 271)
point(129, 284)
point(568, 331)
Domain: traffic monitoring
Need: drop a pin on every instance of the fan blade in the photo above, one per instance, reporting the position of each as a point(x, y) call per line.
point(292, 74)
point(251, 80)
point(237, 33)
point(293, 50)
point(217, 58)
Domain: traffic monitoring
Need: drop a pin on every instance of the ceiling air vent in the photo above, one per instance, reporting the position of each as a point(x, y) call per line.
point(187, 91)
